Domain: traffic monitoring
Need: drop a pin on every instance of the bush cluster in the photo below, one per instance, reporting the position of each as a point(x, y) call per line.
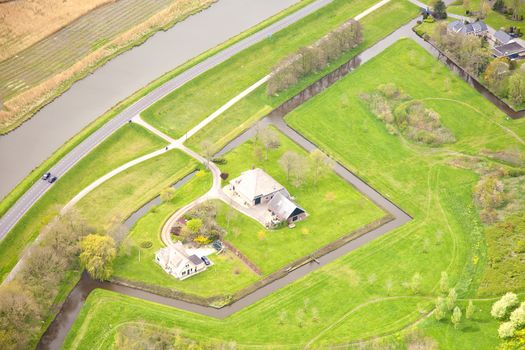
point(315, 57)
point(410, 118)
point(201, 226)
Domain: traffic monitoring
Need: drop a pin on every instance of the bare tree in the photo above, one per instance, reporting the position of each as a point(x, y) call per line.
point(321, 164)
point(270, 140)
point(207, 151)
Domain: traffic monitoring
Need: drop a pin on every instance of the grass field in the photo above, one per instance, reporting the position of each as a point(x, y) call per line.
point(184, 108)
point(120, 196)
point(369, 287)
point(124, 145)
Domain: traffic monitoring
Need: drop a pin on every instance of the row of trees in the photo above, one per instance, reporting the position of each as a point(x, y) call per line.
point(299, 169)
point(27, 299)
point(512, 8)
point(315, 57)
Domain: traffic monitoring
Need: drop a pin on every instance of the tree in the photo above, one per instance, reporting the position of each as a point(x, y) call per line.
point(456, 317)
point(294, 166)
point(506, 330)
point(466, 5)
point(321, 164)
point(471, 309)
point(485, 8)
point(194, 225)
point(496, 75)
point(451, 299)
point(517, 87)
point(517, 317)
point(207, 151)
point(415, 283)
point(516, 6)
point(19, 316)
point(270, 140)
point(499, 6)
point(440, 10)
point(167, 194)
point(443, 282)
point(501, 308)
point(441, 309)
point(97, 255)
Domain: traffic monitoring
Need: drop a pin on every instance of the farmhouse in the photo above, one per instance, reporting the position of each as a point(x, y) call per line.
point(475, 28)
point(175, 261)
point(256, 187)
point(285, 210)
point(511, 50)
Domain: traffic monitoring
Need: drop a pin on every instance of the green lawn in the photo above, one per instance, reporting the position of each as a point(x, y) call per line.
point(226, 276)
point(120, 196)
point(366, 289)
point(335, 209)
point(129, 142)
point(239, 117)
point(179, 111)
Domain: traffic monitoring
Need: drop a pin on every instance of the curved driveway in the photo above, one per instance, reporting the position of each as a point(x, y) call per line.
point(68, 161)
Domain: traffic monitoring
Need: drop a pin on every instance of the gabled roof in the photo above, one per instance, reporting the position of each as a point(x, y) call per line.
point(254, 183)
point(284, 208)
point(502, 37)
point(176, 258)
point(508, 49)
point(456, 26)
point(470, 28)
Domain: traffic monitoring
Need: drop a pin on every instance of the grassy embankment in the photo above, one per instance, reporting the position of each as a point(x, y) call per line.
point(328, 204)
point(126, 144)
point(184, 108)
point(369, 286)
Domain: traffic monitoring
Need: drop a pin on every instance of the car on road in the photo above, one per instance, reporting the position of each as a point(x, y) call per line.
point(52, 179)
point(46, 176)
point(206, 261)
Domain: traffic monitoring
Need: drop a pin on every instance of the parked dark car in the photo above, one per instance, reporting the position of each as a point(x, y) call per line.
point(46, 176)
point(206, 260)
point(52, 179)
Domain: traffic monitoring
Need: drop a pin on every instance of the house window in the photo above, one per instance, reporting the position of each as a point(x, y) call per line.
point(183, 273)
point(294, 218)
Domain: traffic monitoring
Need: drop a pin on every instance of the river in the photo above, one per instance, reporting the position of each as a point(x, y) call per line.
point(29, 145)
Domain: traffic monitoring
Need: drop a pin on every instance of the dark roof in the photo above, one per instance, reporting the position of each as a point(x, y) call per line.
point(283, 207)
point(508, 50)
point(502, 37)
point(195, 259)
point(469, 28)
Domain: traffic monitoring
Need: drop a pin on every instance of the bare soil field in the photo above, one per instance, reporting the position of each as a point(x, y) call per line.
point(37, 74)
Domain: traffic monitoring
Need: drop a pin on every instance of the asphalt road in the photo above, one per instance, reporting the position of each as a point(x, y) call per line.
point(25, 202)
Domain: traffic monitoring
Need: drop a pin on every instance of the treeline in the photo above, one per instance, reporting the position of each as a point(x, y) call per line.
point(315, 57)
point(25, 302)
point(503, 77)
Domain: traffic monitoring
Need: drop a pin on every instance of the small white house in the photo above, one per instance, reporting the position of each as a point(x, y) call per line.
point(175, 261)
point(256, 187)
